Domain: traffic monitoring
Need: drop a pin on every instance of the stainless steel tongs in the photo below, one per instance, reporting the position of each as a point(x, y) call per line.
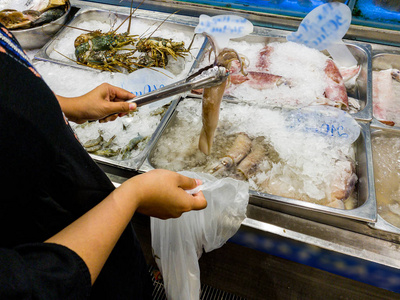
point(206, 77)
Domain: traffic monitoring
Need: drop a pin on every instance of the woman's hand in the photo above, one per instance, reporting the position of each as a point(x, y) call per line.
point(105, 103)
point(157, 193)
point(161, 193)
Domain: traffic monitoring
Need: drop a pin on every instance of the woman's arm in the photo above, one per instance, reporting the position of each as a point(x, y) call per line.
point(106, 102)
point(158, 193)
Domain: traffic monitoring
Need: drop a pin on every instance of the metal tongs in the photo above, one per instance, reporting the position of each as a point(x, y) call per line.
point(205, 77)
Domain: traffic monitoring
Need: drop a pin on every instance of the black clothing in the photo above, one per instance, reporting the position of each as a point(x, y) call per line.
point(52, 181)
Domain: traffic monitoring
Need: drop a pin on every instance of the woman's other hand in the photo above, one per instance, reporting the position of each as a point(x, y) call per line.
point(105, 103)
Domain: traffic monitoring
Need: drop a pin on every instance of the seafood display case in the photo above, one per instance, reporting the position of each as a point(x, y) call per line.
point(361, 227)
point(364, 208)
point(61, 51)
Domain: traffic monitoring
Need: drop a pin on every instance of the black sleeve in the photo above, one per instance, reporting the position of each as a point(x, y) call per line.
point(43, 271)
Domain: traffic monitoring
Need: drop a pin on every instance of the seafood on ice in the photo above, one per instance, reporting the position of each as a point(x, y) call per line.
point(122, 139)
point(109, 51)
point(118, 43)
point(22, 14)
point(257, 145)
point(278, 74)
point(385, 91)
point(288, 74)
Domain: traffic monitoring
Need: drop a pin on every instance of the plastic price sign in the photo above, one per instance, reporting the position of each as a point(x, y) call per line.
point(323, 28)
point(332, 123)
point(224, 27)
point(146, 80)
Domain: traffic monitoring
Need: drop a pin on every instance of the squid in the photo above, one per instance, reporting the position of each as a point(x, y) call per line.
point(212, 97)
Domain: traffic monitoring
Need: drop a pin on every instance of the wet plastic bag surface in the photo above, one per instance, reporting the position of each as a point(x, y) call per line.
point(178, 243)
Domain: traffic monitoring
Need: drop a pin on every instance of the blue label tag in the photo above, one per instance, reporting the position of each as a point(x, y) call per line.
point(224, 27)
point(332, 123)
point(323, 26)
point(144, 81)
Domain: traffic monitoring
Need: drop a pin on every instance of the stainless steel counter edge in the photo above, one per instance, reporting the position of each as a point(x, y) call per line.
point(321, 235)
point(324, 236)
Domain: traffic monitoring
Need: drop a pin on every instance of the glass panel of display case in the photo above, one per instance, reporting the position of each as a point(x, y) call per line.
point(377, 13)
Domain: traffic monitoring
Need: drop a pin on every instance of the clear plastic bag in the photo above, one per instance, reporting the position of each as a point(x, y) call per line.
point(178, 243)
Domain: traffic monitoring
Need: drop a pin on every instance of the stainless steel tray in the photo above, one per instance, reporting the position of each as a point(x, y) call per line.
point(362, 53)
point(37, 37)
point(60, 74)
point(382, 223)
point(366, 204)
point(58, 51)
point(133, 164)
point(382, 60)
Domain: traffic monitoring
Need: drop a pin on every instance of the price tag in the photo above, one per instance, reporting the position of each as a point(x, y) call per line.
point(323, 28)
point(333, 123)
point(145, 80)
point(224, 27)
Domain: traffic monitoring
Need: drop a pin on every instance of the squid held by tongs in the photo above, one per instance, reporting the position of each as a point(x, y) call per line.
point(212, 96)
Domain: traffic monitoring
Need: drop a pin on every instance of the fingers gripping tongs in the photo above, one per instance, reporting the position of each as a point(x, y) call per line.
point(206, 77)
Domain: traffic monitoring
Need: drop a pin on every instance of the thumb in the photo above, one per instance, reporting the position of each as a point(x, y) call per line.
point(199, 201)
point(120, 107)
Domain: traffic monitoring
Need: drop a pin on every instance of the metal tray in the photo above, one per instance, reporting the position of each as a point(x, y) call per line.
point(57, 51)
point(362, 53)
point(382, 60)
point(37, 37)
point(366, 206)
point(60, 74)
point(382, 223)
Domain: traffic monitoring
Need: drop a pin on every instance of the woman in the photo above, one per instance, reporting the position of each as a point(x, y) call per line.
point(65, 230)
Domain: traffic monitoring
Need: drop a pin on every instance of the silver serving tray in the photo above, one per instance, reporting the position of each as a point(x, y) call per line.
point(108, 17)
point(381, 224)
point(366, 206)
point(361, 52)
point(37, 37)
point(382, 60)
point(132, 164)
